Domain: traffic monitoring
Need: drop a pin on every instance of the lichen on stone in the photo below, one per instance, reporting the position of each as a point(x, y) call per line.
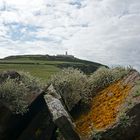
point(104, 109)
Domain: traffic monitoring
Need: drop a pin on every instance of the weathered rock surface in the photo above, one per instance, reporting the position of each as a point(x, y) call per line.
point(115, 112)
point(114, 115)
point(9, 74)
point(46, 113)
point(127, 129)
point(35, 124)
point(60, 116)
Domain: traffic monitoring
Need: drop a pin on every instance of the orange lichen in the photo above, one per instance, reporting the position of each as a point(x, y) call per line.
point(104, 109)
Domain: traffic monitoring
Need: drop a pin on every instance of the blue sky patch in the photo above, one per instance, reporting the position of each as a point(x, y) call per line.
point(19, 31)
point(77, 3)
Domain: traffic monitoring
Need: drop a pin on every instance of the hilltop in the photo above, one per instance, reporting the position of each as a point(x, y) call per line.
point(43, 66)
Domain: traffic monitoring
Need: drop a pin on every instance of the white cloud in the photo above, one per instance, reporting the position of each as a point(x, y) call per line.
point(105, 31)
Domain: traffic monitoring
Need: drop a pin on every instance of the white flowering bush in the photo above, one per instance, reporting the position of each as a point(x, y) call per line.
point(102, 78)
point(75, 86)
point(14, 92)
point(13, 95)
point(33, 83)
point(69, 83)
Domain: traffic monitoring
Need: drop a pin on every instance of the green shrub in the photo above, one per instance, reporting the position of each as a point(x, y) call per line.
point(14, 92)
point(97, 136)
point(75, 86)
point(125, 120)
point(69, 83)
point(137, 93)
point(120, 72)
point(137, 89)
point(34, 84)
point(13, 95)
point(102, 78)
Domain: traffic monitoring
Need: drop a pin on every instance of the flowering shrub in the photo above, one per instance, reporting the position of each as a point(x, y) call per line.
point(75, 86)
point(34, 84)
point(13, 92)
point(13, 95)
point(102, 78)
point(69, 83)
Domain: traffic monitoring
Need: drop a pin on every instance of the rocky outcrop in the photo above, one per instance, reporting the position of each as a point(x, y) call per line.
point(46, 113)
point(35, 124)
point(60, 116)
point(128, 128)
point(9, 74)
point(114, 114)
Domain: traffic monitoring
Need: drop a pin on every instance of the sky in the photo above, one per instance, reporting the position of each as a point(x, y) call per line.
point(104, 31)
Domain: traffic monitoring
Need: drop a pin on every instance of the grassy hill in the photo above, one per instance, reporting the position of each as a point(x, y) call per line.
point(43, 66)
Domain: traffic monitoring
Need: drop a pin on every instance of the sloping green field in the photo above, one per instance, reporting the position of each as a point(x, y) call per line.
point(43, 67)
point(42, 71)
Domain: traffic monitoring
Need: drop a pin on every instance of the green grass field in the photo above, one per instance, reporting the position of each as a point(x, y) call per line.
point(43, 67)
point(41, 71)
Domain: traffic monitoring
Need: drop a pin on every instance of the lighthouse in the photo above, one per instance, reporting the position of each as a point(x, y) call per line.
point(66, 53)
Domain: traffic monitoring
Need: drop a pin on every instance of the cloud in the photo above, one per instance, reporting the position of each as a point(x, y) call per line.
point(106, 31)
